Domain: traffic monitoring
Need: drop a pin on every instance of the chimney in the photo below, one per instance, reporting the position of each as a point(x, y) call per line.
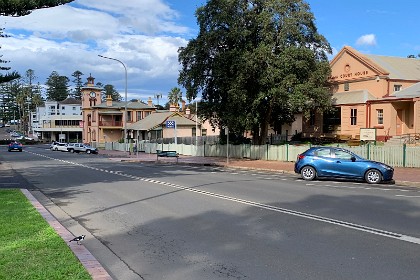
point(149, 102)
point(108, 101)
point(183, 106)
point(188, 111)
point(172, 108)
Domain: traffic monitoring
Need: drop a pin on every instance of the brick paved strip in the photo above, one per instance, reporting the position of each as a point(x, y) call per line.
point(94, 268)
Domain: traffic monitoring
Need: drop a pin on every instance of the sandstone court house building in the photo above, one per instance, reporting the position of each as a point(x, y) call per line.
point(378, 93)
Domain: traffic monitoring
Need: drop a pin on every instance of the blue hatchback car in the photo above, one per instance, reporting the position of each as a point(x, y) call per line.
point(319, 162)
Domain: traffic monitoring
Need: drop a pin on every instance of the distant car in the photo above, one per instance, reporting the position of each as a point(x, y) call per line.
point(81, 147)
point(59, 147)
point(7, 125)
point(15, 134)
point(318, 162)
point(22, 137)
point(15, 146)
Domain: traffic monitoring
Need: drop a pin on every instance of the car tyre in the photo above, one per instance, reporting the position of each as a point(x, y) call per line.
point(71, 150)
point(88, 151)
point(373, 176)
point(308, 173)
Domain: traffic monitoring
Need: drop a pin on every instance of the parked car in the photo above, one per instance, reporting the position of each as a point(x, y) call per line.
point(318, 162)
point(81, 147)
point(59, 147)
point(15, 146)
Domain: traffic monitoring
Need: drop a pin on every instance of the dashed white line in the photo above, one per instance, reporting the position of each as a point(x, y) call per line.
point(358, 227)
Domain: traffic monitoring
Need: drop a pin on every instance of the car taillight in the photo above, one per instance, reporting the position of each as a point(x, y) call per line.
point(300, 157)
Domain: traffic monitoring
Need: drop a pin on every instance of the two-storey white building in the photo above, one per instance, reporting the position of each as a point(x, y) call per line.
point(58, 121)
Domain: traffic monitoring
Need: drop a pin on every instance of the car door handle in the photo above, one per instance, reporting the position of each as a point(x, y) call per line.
point(338, 161)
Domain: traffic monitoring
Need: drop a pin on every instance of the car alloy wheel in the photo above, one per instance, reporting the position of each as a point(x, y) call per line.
point(87, 151)
point(373, 176)
point(308, 173)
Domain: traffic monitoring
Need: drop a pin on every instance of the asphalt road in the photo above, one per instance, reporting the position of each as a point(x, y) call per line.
point(168, 221)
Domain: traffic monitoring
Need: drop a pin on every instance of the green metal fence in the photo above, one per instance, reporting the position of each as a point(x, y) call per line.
point(397, 156)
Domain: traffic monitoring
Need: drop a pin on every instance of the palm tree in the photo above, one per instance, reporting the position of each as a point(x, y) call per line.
point(175, 96)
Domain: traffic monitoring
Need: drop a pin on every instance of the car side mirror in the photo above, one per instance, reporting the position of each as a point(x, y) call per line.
point(353, 158)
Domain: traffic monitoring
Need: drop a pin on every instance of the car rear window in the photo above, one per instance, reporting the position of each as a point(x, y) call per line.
point(342, 155)
point(323, 153)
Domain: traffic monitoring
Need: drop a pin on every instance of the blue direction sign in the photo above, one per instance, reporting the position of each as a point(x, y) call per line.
point(170, 124)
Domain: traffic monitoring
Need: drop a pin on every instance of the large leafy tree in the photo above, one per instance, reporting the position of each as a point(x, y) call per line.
point(255, 64)
point(57, 87)
point(19, 8)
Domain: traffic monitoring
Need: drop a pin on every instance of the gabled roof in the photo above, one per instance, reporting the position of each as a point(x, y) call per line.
point(361, 58)
point(352, 97)
point(410, 92)
point(71, 101)
point(157, 119)
point(398, 68)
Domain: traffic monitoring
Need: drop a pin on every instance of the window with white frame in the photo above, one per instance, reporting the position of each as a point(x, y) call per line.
point(353, 117)
point(380, 114)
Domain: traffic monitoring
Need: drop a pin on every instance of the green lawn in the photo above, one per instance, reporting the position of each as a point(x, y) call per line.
point(29, 247)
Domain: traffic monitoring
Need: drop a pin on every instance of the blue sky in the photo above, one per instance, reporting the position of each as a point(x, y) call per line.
point(146, 34)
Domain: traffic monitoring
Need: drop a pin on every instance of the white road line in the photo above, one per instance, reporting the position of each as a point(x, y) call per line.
point(401, 195)
point(353, 226)
point(358, 227)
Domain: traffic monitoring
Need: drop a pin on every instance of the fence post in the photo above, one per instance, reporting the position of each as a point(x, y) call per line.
point(368, 150)
point(267, 151)
point(404, 153)
point(287, 152)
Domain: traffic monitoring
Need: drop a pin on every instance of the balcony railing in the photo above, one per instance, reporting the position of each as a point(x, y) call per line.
point(111, 123)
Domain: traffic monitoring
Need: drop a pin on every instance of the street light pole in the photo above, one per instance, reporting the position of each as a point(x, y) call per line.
point(125, 107)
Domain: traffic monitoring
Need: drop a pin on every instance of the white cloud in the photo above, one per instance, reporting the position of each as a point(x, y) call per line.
point(366, 40)
point(143, 34)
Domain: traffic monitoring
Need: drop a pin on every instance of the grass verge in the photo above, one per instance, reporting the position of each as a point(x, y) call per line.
point(29, 247)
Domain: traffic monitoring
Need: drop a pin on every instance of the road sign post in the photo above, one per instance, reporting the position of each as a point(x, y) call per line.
point(172, 124)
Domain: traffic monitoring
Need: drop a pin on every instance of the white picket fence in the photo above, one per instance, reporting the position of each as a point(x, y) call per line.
point(397, 156)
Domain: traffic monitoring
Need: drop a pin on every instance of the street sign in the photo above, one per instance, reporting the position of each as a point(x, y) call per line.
point(170, 124)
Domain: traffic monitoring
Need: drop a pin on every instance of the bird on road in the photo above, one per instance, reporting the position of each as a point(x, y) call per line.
point(78, 239)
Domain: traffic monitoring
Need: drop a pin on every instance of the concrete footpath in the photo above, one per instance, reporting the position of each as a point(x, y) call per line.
point(402, 176)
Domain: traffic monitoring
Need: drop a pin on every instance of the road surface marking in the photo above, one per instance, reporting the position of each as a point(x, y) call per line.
point(309, 216)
